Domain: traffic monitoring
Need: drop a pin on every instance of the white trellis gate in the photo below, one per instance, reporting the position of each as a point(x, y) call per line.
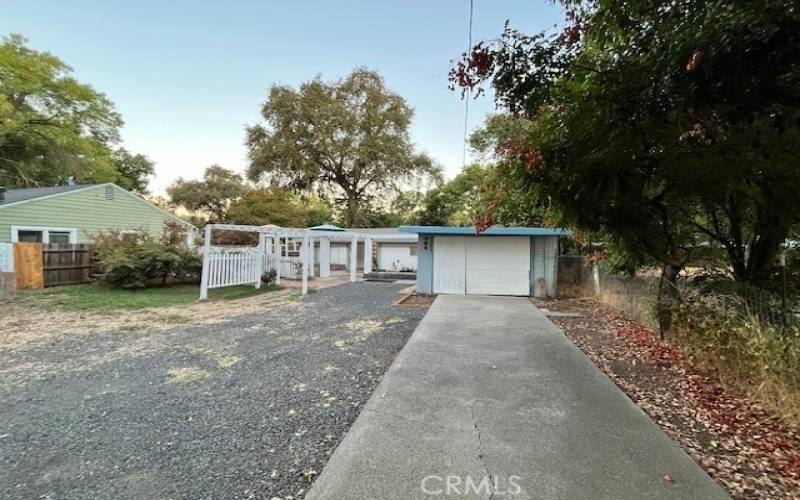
point(231, 266)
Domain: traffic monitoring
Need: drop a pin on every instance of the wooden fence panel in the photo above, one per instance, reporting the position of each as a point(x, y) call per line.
point(67, 264)
point(28, 265)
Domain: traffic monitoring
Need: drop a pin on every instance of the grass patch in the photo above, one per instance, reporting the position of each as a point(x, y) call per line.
point(177, 375)
point(99, 298)
point(175, 319)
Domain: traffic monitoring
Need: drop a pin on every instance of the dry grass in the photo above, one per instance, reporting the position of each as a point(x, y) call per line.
point(741, 355)
point(26, 322)
point(184, 375)
point(762, 384)
point(634, 307)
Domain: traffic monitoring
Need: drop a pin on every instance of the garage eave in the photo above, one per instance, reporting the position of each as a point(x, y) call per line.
point(492, 231)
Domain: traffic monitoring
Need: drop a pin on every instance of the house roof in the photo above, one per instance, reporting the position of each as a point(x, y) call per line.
point(373, 230)
point(492, 231)
point(384, 234)
point(326, 227)
point(15, 197)
point(24, 194)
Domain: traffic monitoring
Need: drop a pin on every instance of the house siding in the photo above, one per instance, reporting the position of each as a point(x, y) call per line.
point(86, 210)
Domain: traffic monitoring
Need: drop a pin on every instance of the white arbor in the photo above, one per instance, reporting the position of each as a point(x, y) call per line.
point(229, 266)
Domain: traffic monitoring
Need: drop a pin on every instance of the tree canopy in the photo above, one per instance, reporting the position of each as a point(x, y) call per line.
point(53, 127)
point(212, 195)
point(656, 122)
point(275, 205)
point(133, 170)
point(469, 196)
point(348, 139)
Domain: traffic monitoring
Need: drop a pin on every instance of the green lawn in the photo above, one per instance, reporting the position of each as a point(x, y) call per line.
point(99, 298)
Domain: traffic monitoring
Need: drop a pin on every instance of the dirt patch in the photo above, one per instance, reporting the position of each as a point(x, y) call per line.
point(23, 324)
point(747, 449)
point(416, 300)
point(365, 327)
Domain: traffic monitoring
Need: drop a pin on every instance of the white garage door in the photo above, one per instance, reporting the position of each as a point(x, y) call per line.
point(482, 266)
point(498, 265)
point(449, 264)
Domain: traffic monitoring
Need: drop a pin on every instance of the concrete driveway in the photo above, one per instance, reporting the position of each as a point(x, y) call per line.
point(490, 400)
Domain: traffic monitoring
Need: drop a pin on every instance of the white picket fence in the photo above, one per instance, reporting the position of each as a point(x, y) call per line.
point(231, 266)
point(291, 268)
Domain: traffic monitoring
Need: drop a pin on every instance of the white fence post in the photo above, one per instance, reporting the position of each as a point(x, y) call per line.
point(596, 279)
point(353, 258)
point(367, 255)
point(277, 248)
point(305, 253)
point(324, 257)
point(260, 252)
point(311, 257)
point(206, 261)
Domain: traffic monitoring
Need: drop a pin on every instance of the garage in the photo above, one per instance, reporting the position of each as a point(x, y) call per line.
point(482, 266)
point(518, 261)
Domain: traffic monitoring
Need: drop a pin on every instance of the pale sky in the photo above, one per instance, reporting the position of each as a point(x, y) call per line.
point(187, 76)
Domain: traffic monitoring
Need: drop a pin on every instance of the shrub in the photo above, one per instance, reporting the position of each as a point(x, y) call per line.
point(268, 278)
point(133, 260)
point(760, 358)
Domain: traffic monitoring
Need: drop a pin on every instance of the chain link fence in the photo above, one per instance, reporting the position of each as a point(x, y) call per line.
point(638, 296)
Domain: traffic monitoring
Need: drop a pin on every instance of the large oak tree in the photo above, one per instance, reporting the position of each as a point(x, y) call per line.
point(348, 139)
point(212, 195)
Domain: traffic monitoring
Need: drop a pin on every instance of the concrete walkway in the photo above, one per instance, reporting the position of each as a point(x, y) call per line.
point(490, 400)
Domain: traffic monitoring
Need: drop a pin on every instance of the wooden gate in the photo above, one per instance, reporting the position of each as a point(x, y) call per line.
point(67, 264)
point(28, 265)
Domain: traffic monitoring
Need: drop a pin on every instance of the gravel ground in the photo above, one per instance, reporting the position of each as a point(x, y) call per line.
point(248, 408)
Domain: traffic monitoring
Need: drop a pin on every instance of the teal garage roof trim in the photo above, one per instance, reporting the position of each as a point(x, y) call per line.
point(492, 231)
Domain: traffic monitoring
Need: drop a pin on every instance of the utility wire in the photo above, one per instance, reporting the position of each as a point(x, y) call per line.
point(468, 94)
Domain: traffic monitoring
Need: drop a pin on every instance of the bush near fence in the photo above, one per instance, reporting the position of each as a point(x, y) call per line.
point(748, 348)
point(747, 336)
point(142, 259)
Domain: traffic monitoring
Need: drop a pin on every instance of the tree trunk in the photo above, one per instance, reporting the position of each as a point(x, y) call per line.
point(668, 296)
point(763, 253)
point(351, 213)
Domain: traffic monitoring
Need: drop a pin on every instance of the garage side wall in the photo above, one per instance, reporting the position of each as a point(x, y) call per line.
point(544, 252)
point(425, 263)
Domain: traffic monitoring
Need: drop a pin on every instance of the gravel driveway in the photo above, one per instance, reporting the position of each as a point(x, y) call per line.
point(251, 407)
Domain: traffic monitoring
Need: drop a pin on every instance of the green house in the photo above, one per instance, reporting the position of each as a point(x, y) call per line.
point(72, 214)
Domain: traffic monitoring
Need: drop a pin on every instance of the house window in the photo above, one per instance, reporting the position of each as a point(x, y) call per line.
point(27, 236)
point(59, 237)
point(413, 249)
point(33, 234)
